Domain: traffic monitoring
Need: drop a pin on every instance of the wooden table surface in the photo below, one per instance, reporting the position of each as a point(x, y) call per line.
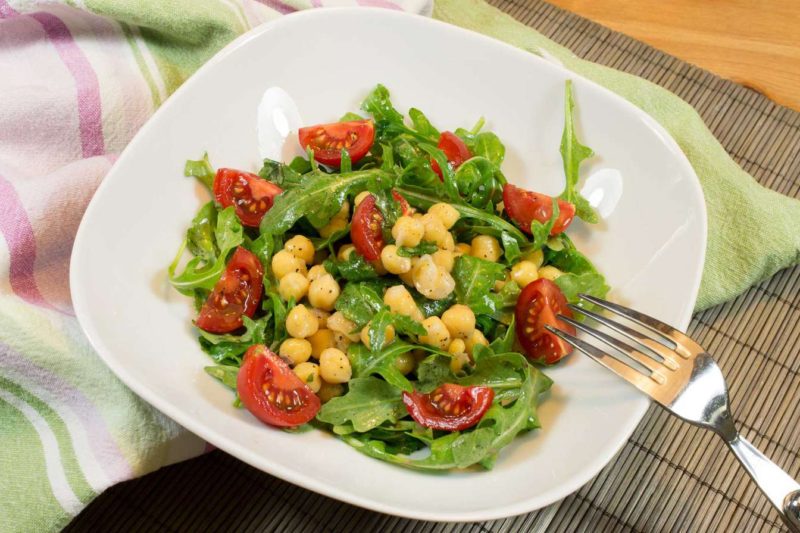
point(752, 42)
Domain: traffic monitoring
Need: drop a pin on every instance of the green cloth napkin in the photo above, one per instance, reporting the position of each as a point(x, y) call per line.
point(752, 231)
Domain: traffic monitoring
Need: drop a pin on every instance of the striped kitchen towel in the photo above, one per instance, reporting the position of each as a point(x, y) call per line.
point(77, 80)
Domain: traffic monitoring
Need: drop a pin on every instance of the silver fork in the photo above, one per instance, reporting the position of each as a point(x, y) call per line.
point(677, 373)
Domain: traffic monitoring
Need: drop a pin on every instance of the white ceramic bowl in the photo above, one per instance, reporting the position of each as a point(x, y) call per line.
point(650, 245)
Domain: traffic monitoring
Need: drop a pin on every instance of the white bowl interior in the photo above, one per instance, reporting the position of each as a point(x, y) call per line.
point(651, 247)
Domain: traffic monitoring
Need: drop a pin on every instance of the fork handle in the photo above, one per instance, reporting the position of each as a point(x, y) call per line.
point(778, 486)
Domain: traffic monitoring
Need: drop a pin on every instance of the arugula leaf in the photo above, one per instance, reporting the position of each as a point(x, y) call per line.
point(424, 198)
point(284, 176)
point(419, 250)
point(264, 247)
point(423, 125)
point(224, 373)
point(366, 362)
point(379, 105)
point(431, 308)
point(511, 250)
point(475, 279)
point(318, 198)
point(573, 153)
point(201, 274)
point(369, 402)
point(401, 323)
point(503, 372)
point(359, 302)
point(477, 183)
point(581, 276)
point(227, 349)
point(504, 341)
point(354, 268)
point(321, 243)
point(346, 164)
point(450, 186)
point(200, 236)
point(202, 170)
point(503, 302)
point(488, 145)
point(432, 372)
point(389, 207)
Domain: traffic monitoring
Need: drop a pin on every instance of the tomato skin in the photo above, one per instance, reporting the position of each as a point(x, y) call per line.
point(454, 150)
point(237, 293)
point(327, 140)
point(433, 410)
point(525, 206)
point(264, 374)
point(406, 209)
point(250, 195)
point(538, 304)
point(366, 229)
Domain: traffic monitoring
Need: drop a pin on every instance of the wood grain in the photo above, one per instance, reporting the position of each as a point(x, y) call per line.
point(755, 43)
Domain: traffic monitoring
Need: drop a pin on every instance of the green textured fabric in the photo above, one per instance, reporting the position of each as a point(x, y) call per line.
point(752, 231)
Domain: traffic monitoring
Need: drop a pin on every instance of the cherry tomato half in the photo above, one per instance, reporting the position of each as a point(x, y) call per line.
point(449, 407)
point(366, 229)
point(272, 392)
point(327, 140)
point(525, 206)
point(454, 150)
point(250, 195)
point(404, 207)
point(237, 293)
point(538, 304)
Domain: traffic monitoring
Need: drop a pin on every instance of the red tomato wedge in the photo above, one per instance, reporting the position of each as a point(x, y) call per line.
point(449, 407)
point(405, 208)
point(250, 195)
point(525, 206)
point(538, 304)
point(366, 229)
point(237, 293)
point(272, 392)
point(327, 140)
point(454, 150)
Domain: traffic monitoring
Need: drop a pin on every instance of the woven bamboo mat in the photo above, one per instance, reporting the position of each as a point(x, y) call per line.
point(670, 476)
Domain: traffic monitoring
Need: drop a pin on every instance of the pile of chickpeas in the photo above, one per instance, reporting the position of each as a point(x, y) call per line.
point(318, 333)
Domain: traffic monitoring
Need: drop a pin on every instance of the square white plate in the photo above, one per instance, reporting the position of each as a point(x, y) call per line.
point(650, 245)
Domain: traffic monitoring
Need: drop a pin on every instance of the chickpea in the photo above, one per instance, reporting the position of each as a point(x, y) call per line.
point(486, 247)
point(341, 341)
point(437, 334)
point(344, 212)
point(345, 251)
point(444, 259)
point(446, 213)
point(323, 292)
point(401, 302)
point(309, 374)
point(436, 232)
point(379, 268)
point(394, 263)
point(463, 248)
point(524, 272)
point(315, 272)
point(477, 337)
point(322, 317)
point(360, 197)
point(405, 363)
point(550, 272)
point(457, 346)
point(389, 334)
point(431, 281)
point(334, 366)
point(301, 247)
point(329, 391)
point(321, 341)
point(293, 285)
point(408, 231)
point(458, 362)
point(284, 262)
point(335, 224)
point(337, 322)
point(296, 350)
point(460, 321)
point(536, 257)
point(301, 323)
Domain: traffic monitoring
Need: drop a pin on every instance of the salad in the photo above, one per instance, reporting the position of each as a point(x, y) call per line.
point(391, 287)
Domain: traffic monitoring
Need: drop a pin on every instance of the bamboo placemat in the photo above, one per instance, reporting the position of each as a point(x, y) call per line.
point(670, 476)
